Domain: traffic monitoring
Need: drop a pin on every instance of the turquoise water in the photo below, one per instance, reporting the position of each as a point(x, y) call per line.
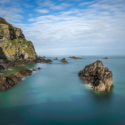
point(55, 95)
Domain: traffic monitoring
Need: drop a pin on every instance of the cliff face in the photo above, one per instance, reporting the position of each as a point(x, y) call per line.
point(13, 45)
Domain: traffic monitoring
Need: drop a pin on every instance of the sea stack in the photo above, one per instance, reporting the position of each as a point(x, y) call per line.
point(13, 45)
point(98, 76)
point(64, 61)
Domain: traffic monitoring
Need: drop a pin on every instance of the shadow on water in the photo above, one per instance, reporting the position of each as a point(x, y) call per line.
point(75, 112)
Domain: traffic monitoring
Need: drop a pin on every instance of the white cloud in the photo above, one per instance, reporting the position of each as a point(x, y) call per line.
point(4, 1)
point(42, 10)
point(99, 27)
point(11, 14)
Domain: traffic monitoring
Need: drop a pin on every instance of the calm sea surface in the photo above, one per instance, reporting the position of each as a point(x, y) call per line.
point(55, 95)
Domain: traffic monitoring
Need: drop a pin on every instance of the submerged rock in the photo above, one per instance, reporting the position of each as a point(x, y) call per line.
point(98, 76)
point(73, 57)
point(64, 61)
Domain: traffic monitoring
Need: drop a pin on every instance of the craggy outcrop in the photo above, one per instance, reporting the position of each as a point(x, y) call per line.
point(64, 61)
point(23, 73)
point(7, 82)
point(98, 76)
point(73, 57)
point(13, 45)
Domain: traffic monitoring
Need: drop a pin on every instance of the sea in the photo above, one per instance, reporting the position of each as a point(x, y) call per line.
point(55, 95)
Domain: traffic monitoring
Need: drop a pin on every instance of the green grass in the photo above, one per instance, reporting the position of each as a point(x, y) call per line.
point(14, 41)
point(4, 22)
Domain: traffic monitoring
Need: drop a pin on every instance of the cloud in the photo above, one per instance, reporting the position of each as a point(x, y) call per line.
point(4, 1)
point(27, 5)
point(42, 10)
point(11, 14)
point(100, 26)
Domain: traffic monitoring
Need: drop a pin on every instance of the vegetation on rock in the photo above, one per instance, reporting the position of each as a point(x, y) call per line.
point(13, 43)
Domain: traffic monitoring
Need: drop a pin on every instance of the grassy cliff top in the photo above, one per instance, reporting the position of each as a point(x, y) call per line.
point(3, 21)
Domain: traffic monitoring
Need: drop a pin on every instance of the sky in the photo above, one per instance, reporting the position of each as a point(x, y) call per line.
point(69, 27)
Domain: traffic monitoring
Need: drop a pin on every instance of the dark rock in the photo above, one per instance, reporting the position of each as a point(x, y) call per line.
point(7, 82)
point(73, 57)
point(23, 73)
point(36, 69)
point(106, 58)
point(56, 59)
point(64, 61)
point(1, 68)
point(98, 76)
point(48, 61)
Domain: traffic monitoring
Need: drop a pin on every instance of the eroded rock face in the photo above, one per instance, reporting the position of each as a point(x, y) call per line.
point(7, 82)
point(73, 57)
point(23, 73)
point(13, 45)
point(98, 76)
point(64, 61)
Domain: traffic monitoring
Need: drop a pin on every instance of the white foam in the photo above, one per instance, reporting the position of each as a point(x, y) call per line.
point(88, 86)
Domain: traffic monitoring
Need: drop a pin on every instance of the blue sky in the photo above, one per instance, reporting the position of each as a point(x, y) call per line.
point(69, 27)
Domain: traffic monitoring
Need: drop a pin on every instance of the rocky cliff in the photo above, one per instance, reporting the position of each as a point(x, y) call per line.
point(13, 45)
point(98, 76)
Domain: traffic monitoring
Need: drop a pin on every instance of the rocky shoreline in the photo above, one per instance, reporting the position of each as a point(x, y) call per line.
point(5, 65)
point(7, 82)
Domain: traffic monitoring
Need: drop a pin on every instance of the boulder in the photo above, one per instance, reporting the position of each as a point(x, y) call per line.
point(98, 76)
